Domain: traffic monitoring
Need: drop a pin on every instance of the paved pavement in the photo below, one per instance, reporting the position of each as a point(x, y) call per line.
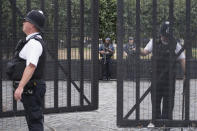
point(103, 119)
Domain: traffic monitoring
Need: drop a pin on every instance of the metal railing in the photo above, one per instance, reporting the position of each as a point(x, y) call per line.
point(134, 105)
point(67, 90)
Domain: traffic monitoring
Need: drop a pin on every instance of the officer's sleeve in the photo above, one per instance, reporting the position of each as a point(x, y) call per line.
point(149, 46)
point(125, 48)
point(34, 52)
point(112, 47)
point(178, 48)
point(101, 47)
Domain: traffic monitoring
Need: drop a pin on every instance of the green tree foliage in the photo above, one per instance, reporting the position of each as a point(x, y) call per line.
point(107, 18)
point(162, 15)
point(49, 13)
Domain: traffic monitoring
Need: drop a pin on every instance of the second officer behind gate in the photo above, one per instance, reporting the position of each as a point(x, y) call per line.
point(162, 71)
point(31, 87)
point(129, 52)
point(106, 51)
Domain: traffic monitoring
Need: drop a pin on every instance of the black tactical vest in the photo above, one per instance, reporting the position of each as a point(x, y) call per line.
point(163, 61)
point(15, 67)
point(39, 72)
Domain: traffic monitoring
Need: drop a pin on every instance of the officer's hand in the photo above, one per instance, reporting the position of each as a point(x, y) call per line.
point(125, 54)
point(102, 52)
point(109, 50)
point(18, 93)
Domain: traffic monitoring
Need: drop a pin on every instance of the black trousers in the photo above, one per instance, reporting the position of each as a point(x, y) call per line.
point(33, 104)
point(106, 68)
point(163, 93)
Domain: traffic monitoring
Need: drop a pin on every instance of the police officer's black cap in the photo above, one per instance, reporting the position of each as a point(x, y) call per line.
point(131, 38)
point(165, 29)
point(37, 18)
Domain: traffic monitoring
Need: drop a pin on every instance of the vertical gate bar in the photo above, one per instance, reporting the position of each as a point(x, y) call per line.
point(42, 7)
point(14, 39)
point(68, 42)
point(154, 64)
point(120, 37)
point(1, 104)
point(81, 52)
point(137, 57)
point(94, 53)
point(28, 5)
point(56, 21)
point(171, 19)
point(188, 57)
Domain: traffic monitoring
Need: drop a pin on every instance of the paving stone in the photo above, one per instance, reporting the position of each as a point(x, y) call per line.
point(103, 119)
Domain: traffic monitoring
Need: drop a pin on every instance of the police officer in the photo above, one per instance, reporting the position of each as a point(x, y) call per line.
point(106, 51)
point(129, 48)
point(31, 87)
point(162, 71)
point(129, 52)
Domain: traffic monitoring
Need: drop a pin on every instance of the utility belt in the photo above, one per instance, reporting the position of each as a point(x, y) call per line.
point(29, 89)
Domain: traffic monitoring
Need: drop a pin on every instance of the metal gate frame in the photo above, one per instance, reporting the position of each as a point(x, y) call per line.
point(1, 57)
point(93, 102)
point(122, 120)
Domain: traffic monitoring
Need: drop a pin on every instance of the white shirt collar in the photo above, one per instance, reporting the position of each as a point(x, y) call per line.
point(30, 35)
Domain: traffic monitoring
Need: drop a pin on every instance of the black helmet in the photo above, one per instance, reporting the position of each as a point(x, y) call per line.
point(37, 18)
point(165, 29)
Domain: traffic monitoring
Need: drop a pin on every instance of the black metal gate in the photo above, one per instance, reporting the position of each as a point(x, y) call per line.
point(134, 106)
point(71, 34)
